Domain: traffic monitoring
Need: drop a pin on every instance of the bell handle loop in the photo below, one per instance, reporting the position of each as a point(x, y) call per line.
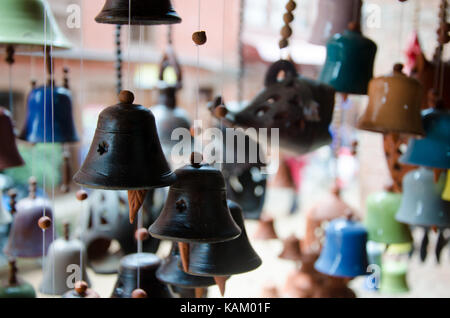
point(274, 70)
point(170, 60)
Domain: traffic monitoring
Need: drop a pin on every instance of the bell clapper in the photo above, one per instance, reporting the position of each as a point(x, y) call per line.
point(135, 201)
point(221, 282)
point(184, 254)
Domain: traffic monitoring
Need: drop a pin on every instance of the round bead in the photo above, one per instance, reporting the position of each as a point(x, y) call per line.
point(81, 287)
point(126, 97)
point(220, 111)
point(81, 195)
point(288, 17)
point(398, 67)
point(199, 37)
point(141, 234)
point(283, 43)
point(291, 5)
point(44, 222)
point(286, 32)
point(139, 293)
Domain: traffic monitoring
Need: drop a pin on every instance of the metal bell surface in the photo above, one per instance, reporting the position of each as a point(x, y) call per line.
point(143, 12)
point(380, 219)
point(170, 273)
point(63, 253)
point(433, 150)
point(125, 153)
point(22, 24)
point(349, 63)
point(394, 105)
point(344, 252)
point(394, 278)
point(9, 154)
point(147, 264)
point(196, 208)
point(333, 17)
point(45, 123)
point(446, 192)
point(422, 204)
point(226, 258)
point(14, 286)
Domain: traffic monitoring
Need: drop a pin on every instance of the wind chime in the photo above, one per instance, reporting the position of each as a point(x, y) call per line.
point(14, 286)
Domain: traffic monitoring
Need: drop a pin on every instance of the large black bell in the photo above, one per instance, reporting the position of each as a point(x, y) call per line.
point(226, 258)
point(143, 12)
point(196, 208)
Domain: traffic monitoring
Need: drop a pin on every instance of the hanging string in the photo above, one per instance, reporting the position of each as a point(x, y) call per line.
point(198, 66)
point(400, 33)
point(240, 81)
point(129, 44)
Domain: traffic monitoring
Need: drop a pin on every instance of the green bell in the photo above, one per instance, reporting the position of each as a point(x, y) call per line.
point(22, 24)
point(380, 219)
point(393, 278)
point(14, 287)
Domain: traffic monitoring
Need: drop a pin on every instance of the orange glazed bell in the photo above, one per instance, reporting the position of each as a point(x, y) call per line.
point(9, 155)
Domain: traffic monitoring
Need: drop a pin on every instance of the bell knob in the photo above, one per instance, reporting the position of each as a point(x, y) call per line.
point(81, 287)
point(142, 234)
point(126, 97)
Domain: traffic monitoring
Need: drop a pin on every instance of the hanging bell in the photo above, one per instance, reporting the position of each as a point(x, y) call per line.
point(394, 278)
point(143, 12)
point(433, 150)
point(349, 63)
point(140, 266)
point(22, 24)
point(394, 105)
point(446, 193)
point(380, 219)
point(196, 208)
point(25, 237)
point(9, 155)
point(62, 254)
point(333, 17)
point(301, 109)
point(422, 204)
point(49, 119)
point(265, 229)
point(344, 251)
point(15, 287)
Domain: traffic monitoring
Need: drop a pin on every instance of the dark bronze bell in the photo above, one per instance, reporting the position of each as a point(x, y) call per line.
point(196, 208)
point(143, 12)
point(127, 281)
point(226, 258)
point(9, 155)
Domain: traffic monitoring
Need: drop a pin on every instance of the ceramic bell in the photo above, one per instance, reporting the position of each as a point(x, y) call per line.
point(106, 222)
point(300, 108)
point(349, 63)
point(196, 208)
point(446, 192)
point(226, 258)
point(81, 290)
point(143, 12)
point(22, 24)
point(394, 278)
point(15, 287)
point(9, 155)
point(394, 105)
point(63, 253)
point(433, 150)
point(380, 219)
point(25, 237)
point(265, 229)
point(422, 204)
point(344, 251)
point(45, 123)
point(127, 281)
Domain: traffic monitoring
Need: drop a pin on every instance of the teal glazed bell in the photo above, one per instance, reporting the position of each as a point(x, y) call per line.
point(349, 63)
point(344, 252)
point(15, 287)
point(9, 155)
point(434, 150)
point(422, 204)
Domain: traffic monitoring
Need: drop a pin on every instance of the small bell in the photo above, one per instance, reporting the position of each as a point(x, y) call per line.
point(433, 150)
point(344, 251)
point(422, 204)
point(62, 254)
point(15, 287)
point(446, 192)
point(25, 238)
point(394, 278)
point(9, 155)
point(81, 290)
point(394, 105)
point(291, 249)
point(125, 153)
point(196, 208)
point(349, 63)
point(140, 266)
point(380, 219)
point(143, 12)
point(265, 229)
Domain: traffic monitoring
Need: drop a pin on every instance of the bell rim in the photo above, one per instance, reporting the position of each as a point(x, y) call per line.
point(411, 133)
point(251, 265)
point(163, 275)
point(191, 240)
point(172, 18)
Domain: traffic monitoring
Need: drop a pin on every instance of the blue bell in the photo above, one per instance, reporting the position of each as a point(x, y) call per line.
point(39, 120)
point(433, 150)
point(349, 63)
point(344, 252)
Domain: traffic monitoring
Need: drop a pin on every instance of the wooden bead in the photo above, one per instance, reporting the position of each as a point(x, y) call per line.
point(283, 43)
point(291, 5)
point(139, 293)
point(126, 97)
point(81, 195)
point(81, 287)
point(44, 222)
point(141, 234)
point(286, 32)
point(199, 37)
point(220, 111)
point(288, 17)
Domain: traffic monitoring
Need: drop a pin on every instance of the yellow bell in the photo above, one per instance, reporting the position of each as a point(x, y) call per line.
point(446, 193)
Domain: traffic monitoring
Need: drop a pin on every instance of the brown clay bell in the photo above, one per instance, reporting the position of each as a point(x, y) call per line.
point(9, 155)
point(265, 229)
point(291, 249)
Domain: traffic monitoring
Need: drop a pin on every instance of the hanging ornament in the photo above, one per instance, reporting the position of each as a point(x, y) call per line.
point(9, 155)
point(138, 12)
point(393, 278)
point(62, 253)
point(394, 105)
point(349, 63)
point(81, 290)
point(125, 153)
point(15, 287)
